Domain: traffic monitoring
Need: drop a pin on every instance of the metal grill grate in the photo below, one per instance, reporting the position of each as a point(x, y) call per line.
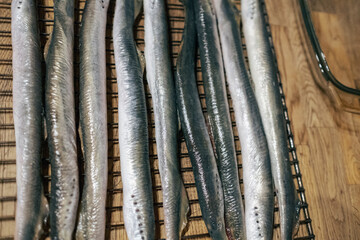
point(115, 226)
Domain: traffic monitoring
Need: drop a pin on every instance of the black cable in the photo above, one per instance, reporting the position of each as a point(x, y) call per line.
point(320, 56)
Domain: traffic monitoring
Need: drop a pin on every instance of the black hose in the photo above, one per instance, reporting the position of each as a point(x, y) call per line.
point(320, 56)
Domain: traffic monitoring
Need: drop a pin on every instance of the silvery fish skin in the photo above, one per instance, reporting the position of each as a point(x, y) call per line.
point(219, 116)
point(32, 208)
point(133, 132)
point(93, 120)
point(159, 76)
point(197, 139)
point(60, 121)
point(259, 194)
point(268, 97)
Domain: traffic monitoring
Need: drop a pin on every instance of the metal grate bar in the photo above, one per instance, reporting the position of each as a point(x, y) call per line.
point(175, 17)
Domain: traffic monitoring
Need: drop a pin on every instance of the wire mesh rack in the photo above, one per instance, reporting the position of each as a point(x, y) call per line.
point(114, 221)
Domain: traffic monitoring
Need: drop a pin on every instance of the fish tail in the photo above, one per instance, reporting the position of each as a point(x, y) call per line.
point(43, 218)
point(138, 6)
point(47, 45)
point(296, 222)
point(184, 210)
point(289, 216)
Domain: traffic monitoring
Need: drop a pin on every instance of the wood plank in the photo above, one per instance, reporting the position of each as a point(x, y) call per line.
point(332, 40)
point(333, 197)
point(300, 89)
point(327, 139)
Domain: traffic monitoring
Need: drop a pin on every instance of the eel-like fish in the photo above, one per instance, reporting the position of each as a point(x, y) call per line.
point(160, 78)
point(60, 122)
point(32, 207)
point(268, 97)
point(93, 120)
point(133, 132)
point(219, 116)
point(259, 194)
point(197, 139)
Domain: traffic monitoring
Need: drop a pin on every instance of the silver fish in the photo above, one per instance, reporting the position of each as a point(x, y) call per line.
point(219, 116)
point(268, 97)
point(197, 139)
point(60, 122)
point(259, 194)
point(138, 207)
point(93, 120)
point(32, 208)
point(159, 76)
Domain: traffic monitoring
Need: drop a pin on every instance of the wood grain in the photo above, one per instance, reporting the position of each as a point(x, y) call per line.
point(327, 139)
